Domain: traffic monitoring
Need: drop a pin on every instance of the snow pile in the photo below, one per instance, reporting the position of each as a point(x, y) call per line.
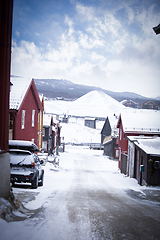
point(94, 103)
point(5, 209)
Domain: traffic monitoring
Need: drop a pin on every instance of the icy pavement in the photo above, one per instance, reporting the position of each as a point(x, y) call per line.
point(85, 198)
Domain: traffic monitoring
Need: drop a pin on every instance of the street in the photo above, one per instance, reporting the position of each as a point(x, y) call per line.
point(87, 198)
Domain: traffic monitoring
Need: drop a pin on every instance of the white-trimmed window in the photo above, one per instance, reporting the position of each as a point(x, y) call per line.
point(33, 114)
point(120, 134)
point(23, 118)
point(116, 153)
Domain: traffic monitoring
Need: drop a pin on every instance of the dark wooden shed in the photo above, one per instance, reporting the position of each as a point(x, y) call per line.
point(147, 161)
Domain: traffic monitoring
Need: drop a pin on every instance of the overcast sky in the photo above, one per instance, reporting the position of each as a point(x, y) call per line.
point(104, 43)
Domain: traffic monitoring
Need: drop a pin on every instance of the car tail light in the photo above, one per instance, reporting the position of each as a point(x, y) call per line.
point(33, 165)
point(27, 177)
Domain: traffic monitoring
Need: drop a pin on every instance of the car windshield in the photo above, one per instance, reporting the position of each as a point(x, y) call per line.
point(20, 158)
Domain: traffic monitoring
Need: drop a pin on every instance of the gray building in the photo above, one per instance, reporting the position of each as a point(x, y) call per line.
point(90, 122)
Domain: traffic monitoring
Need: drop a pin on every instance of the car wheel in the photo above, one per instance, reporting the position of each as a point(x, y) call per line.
point(41, 180)
point(35, 182)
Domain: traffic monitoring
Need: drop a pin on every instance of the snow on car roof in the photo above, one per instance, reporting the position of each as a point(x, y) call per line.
point(23, 144)
point(141, 120)
point(18, 91)
point(149, 145)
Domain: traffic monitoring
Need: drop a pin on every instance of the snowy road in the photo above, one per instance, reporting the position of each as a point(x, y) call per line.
point(87, 199)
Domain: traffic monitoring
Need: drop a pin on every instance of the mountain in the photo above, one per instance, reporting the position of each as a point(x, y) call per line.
point(158, 98)
point(53, 88)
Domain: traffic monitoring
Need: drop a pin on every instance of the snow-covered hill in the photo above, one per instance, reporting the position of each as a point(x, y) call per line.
point(94, 104)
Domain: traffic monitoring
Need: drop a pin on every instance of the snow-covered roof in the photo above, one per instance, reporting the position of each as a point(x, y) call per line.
point(141, 121)
point(18, 91)
point(113, 119)
point(136, 138)
point(108, 141)
point(127, 101)
point(47, 120)
point(150, 145)
point(90, 118)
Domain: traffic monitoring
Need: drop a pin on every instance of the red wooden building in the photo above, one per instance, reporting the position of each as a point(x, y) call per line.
point(136, 123)
point(6, 10)
point(51, 134)
point(25, 109)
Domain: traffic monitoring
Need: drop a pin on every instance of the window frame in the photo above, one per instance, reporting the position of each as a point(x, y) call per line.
point(33, 117)
point(23, 119)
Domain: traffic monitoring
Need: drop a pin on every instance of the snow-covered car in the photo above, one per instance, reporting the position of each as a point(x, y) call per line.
point(26, 167)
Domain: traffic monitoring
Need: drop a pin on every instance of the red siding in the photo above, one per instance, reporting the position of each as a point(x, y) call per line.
point(29, 132)
point(6, 8)
point(123, 142)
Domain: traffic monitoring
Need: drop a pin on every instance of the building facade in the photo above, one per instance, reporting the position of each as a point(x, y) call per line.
point(26, 111)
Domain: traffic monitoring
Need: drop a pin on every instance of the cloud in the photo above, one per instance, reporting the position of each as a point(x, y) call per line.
point(86, 13)
point(69, 22)
point(97, 57)
point(130, 14)
point(17, 33)
point(96, 46)
point(147, 18)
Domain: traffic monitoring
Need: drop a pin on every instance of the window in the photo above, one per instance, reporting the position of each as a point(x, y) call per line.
point(124, 136)
point(23, 118)
point(40, 119)
point(44, 146)
point(33, 114)
point(116, 153)
point(120, 137)
point(43, 132)
point(117, 141)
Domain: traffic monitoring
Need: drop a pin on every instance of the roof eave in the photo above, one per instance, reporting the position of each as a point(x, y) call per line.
point(142, 132)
